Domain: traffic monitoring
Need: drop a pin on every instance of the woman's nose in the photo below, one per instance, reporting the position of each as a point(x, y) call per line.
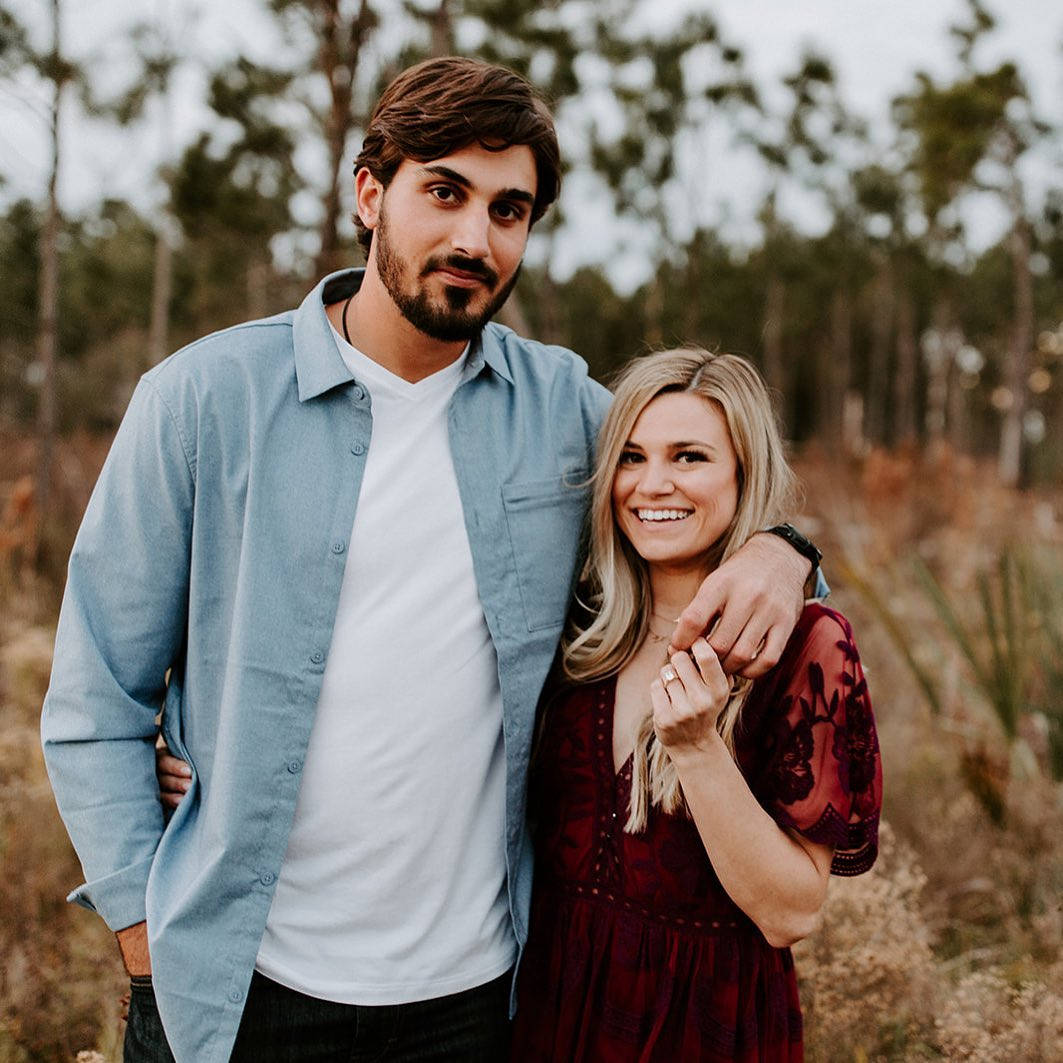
point(657, 479)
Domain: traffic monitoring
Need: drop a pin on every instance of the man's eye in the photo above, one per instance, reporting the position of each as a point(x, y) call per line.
point(444, 193)
point(508, 212)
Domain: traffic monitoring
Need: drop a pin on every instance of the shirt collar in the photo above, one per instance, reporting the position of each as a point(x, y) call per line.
point(319, 366)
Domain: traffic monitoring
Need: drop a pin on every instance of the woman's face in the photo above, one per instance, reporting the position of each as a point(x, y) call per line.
point(675, 490)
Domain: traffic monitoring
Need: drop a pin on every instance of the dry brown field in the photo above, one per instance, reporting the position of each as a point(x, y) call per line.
point(952, 948)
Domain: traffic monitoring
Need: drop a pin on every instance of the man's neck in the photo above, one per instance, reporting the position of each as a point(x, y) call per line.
point(379, 330)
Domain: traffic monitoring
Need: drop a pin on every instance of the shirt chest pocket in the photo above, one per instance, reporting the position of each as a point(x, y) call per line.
point(545, 523)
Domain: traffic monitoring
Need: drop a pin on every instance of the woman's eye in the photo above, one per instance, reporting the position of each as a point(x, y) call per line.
point(629, 457)
point(688, 456)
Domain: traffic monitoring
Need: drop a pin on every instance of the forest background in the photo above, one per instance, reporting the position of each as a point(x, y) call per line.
point(917, 361)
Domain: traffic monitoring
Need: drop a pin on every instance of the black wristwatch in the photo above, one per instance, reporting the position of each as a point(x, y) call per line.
point(804, 546)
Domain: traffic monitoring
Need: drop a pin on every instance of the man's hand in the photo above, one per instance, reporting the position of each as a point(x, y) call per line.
point(748, 607)
point(133, 941)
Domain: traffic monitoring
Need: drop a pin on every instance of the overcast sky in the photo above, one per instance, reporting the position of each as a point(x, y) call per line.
point(875, 46)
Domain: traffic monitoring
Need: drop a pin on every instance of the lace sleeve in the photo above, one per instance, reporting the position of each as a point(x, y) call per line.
point(822, 776)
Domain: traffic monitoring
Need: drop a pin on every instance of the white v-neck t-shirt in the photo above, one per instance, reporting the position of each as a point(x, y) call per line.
point(393, 887)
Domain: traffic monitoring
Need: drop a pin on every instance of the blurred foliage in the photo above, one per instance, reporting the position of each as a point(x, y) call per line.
point(1008, 631)
point(836, 321)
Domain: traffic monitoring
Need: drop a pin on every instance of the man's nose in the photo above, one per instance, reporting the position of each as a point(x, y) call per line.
point(471, 232)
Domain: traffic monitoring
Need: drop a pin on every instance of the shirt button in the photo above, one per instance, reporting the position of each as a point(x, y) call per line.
point(357, 448)
point(268, 878)
point(235, 996)
point(317, 657)
point(338, 547)
point(295, 766)
point(358, 393)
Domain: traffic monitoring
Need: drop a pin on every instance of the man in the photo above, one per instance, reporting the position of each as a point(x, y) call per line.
point(348, 534)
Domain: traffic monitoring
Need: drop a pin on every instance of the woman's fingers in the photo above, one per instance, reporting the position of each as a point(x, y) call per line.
point(710, 668)
point(166, 763)
point(174, 775)
point(688, 696)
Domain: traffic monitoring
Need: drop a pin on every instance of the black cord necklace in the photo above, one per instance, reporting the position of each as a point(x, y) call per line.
point(343, 317)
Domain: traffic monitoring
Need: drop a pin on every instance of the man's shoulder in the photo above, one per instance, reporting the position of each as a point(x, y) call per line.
point(234, 351)
point(520, 351)
point(532, 360)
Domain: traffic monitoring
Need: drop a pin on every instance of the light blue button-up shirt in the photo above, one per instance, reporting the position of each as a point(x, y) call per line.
point(204, 582)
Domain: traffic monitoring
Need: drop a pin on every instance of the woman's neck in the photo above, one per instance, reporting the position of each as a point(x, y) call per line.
point(672, 591)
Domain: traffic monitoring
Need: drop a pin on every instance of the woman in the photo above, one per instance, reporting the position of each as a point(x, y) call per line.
point(687, 824)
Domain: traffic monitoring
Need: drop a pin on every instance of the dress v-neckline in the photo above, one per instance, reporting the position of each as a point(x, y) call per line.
point(610, 723)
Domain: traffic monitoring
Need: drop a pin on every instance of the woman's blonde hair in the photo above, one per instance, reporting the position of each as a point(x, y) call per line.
point(614, 603)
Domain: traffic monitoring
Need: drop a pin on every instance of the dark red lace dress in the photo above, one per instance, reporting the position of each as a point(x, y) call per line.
point(635, 952)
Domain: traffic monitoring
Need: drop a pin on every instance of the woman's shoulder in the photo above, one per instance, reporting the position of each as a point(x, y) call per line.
point(821, 618)
point(821, 631)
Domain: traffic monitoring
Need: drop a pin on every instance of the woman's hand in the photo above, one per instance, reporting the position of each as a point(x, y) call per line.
point(747, 608)
point(174, 776)
point(688, 697)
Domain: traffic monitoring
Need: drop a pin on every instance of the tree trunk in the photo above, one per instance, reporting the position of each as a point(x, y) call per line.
point(161, 291)
point(1017, 370)
point(879, 354)
point(774, 309)
point(939, 356)
point(904, 382)
point(338, 54)
point(442, 30)
point(833, 383)
point(162, 271)
point(48, 306)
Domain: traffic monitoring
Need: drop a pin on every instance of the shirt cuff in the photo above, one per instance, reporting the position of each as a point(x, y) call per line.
point(117, 898)
point(820, 588)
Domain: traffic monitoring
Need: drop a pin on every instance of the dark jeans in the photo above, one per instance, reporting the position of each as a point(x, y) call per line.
point(282, 1026)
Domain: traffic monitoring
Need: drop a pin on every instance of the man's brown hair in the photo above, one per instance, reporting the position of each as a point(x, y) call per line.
point(443, 105)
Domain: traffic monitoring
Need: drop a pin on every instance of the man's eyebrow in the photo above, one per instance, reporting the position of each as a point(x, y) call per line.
point(449, 174)
point(521, 195)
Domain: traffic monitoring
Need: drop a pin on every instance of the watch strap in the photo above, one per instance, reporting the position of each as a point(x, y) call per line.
point(801, 543)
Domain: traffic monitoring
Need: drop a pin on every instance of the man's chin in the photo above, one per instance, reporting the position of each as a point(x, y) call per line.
point(444, 323)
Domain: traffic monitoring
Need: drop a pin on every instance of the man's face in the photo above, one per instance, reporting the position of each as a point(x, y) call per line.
point(450, 234)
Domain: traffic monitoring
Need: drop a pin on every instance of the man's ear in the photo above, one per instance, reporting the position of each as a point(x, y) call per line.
point(368, 194)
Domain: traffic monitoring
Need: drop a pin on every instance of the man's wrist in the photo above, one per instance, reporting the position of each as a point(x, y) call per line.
point(133, 944)
point(801, 543)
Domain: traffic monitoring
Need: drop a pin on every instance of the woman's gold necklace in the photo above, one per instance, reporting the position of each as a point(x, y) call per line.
point(653, 634)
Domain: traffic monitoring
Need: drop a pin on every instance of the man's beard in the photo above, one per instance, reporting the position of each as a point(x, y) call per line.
point(448, 323)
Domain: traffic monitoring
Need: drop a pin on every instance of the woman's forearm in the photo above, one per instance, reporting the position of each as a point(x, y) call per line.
point(778, 881)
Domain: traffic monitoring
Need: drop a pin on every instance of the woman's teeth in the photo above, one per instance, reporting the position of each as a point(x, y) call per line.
point(662, 514)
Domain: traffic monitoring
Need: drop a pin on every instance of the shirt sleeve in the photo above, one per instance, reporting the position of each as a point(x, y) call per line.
point(823, 775)
point(121, 627)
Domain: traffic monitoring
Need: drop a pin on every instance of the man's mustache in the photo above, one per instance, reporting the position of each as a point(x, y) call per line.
point(475, 266)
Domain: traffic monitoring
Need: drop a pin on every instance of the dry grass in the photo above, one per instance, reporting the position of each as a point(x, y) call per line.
point(952, 948)
point(60, 979)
